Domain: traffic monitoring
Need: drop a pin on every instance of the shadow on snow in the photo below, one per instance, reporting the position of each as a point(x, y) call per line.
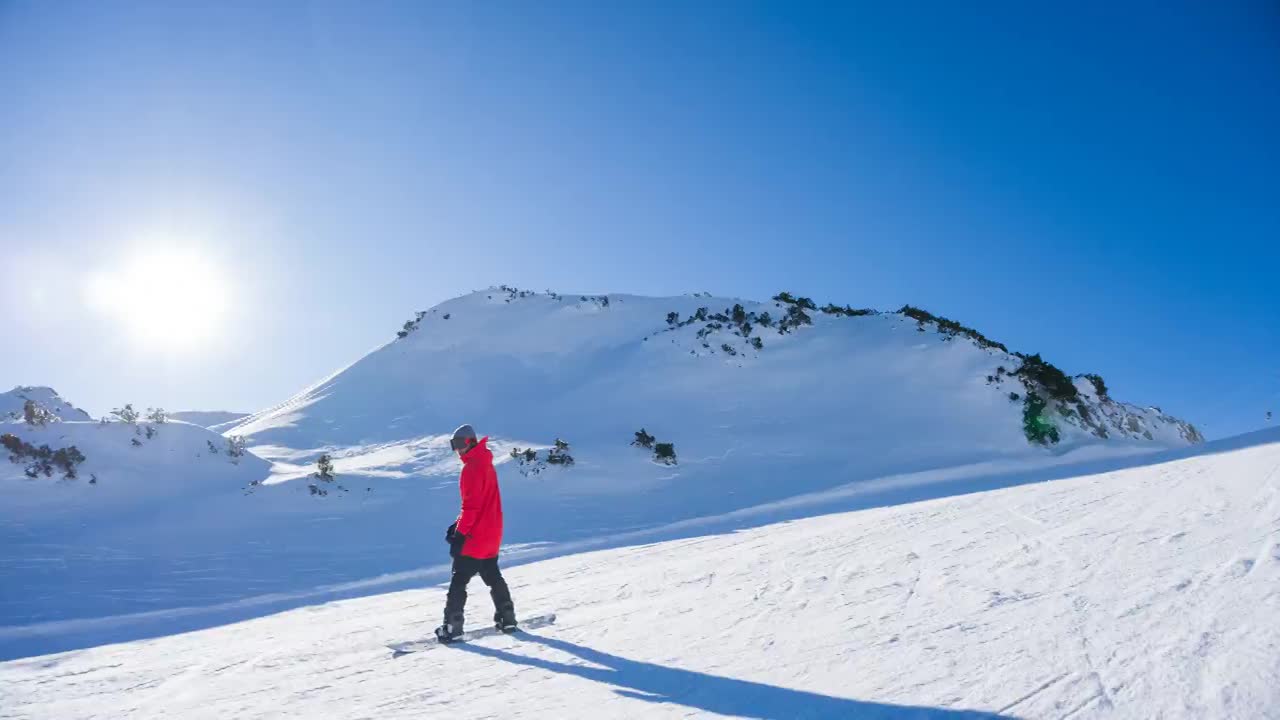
point(708, 693)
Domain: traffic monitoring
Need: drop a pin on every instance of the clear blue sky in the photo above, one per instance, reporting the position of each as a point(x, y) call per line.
point(1100, 184)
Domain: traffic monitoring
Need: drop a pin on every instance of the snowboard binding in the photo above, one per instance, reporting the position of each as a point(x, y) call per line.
point(450, 631)
point(505, 620)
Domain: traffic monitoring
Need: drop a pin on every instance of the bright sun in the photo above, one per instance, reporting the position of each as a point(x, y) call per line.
point(168, 299)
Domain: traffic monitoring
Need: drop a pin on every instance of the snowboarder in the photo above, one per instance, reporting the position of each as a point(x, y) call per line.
point(475, 537)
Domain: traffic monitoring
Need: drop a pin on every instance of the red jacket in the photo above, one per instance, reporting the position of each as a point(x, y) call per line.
point(481, 516)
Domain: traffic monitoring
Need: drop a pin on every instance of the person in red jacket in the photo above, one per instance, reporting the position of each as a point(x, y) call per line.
point(475, 537)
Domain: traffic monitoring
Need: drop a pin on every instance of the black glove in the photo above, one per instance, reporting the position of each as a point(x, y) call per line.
point(455, 544)
point(448, 534)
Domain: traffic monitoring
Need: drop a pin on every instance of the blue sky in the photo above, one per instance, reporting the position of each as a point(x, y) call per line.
point(1098, 184)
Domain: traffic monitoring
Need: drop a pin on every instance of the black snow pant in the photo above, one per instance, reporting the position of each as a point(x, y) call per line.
point(465, 568)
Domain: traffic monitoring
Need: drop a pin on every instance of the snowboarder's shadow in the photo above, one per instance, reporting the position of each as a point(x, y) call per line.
point(710, 693)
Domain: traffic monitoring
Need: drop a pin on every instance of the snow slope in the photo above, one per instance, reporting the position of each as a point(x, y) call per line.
point(211, 419)
point(874, 409)
point(11, 403)
point(94, 545)
point(1150, 591)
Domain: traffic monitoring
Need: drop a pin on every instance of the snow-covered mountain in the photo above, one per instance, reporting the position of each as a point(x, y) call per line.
point(1147, 589)
point(752, 410)
point(12, 403)
point(211, 419)
point(758, 401)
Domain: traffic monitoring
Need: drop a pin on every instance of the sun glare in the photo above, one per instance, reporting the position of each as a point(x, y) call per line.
point(165, 299)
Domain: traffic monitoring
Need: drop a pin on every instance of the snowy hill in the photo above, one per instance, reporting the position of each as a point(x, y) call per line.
point(12, 402)
point(873, 408)
point(597, 368)
point(211, 419)
point(132, 463)
point(1147, 590)
point(70, 540)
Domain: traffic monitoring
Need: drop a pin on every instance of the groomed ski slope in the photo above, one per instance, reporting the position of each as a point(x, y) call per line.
point(1148, 592)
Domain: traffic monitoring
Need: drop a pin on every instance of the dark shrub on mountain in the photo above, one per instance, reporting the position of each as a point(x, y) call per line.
point(949, 327)
point(42, 460)
point(847, 311)
point(559, 455)
point(643, 439)
point(324, 468)
point(33, 413)
point(1038, 428)
point(796, 316)
point(1035, 371)
point(126, 414)
point(1099, 385)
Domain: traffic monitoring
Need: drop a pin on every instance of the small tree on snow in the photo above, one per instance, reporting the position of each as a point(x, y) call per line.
point(324, 468)
point(644, 439)
point(235, 446)
point(665, 453)
point(33, 413)
point(157, 416)
point(559, 455)
point(126, 414)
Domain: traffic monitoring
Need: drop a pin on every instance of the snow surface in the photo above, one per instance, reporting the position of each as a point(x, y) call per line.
point(1149, 590)
point(859, 412)
point(211, 419)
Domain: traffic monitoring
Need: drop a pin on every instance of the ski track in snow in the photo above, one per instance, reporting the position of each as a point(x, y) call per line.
point(1151, 591)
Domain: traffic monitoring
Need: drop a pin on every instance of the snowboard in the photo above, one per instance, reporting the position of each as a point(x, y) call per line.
point(412, 646)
